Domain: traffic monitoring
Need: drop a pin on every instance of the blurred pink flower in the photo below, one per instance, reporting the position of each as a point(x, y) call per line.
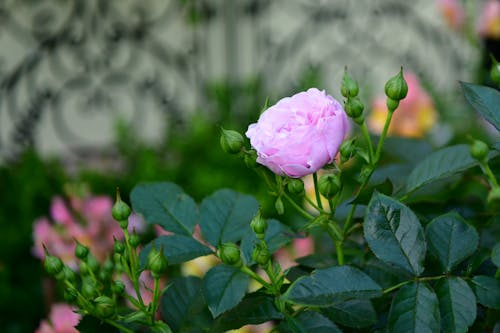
point(453, 13)
point(62, 319)
point(300, 247)
point(87, 220)
point(488, 25)
point(414, 117)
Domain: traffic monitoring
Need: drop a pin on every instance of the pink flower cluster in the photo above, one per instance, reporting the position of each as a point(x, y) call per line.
point(87, 220)
point(62, 319)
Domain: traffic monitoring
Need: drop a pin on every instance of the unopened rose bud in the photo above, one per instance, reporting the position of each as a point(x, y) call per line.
point(231, 141)
point(479, 150)
point(392, 104)
point(121, 211)
point(493, 199)
point(157, 262)
point(53, 265)
point(279, 206)
point(349, 87)
point(89, 288)
point(69, 274)
point(329, 185)
point(134, 240)
point(296, 186)
point(261, 256)
point(229, 253)
point(396, 88)
point(104, 307)
point(81, 251)
point(259, 225)
point(119, 247)
point(347, 150)
point(354, 107)
point(92, 263)
point(70, 294)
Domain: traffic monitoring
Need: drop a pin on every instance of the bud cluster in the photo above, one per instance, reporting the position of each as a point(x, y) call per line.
point(396, 89)
point(353, 105)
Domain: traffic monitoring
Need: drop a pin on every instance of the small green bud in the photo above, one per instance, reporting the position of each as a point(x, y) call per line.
point(70, 294)
point(157, 262)
point(119, 247)
point(347, 150)
point(354, 107)
point(81, 251)
point(359, 120)
point(250, 159)
point(495, 71)
point(229, 253)
point(494, 198)
point(104, 307)
point(280, 207)
point(231, 141)
point(259, 225)
point(53, 265)
point(329, 185)
point(396, 88)
point(69, 275)
point(118, 287)
point(92, 263)
point(349, 87)
point(84, 268)
point(121, 211)
point(261, 256)
point(295, 186)
point(134, 240)
point(392, 104)
point(479, 150)
point(89, 288)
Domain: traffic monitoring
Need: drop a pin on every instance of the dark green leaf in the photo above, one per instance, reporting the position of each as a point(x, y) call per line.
point(457, 304)
point(308, 322)
point(254, 309)
point(356, 313)
point(177, 249)
point(495, 255)
point(183, 307)
point(226, 216)
point(324, 287)
point(414, 309)
point(165, 204)
point(451, 240)
point(394, 234)
point(441, 164)
point(277, 236)
point(484, 100)
point(400, 147)
point(224, 286)
point(487, 290)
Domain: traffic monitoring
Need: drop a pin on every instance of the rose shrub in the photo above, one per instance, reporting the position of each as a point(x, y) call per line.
point(300, 134)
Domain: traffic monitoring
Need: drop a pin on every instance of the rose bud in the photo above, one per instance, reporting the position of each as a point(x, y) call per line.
point(329, 185)
point(259, 225)
point(296, 186)
point(396, 88)
point(104, 307)
point(231, 141)
point(229, 253)
point(349, 87)
point(479, 150)
point(121, 211)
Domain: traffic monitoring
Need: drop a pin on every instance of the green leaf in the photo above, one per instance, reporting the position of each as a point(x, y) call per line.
point(224, 286)
point(487, 290)
point(441, 164)
point(484, 100)
point(414, 309)
point(394, 234)
point(364, 197)
point(277, 235)
point(400, 146)
point(183, 307)
point(177, 249)
point(356, 313)
point(165, 204)
point(457, 304)
point(255, 308)
point(451, 240)
point(226, 216)
point(324, 287)
point(495, 255)
point(308, 322)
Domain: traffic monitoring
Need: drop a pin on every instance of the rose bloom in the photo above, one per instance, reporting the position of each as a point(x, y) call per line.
point(414, 117)
point(62, 319)
point(300, 134)
point(452, 12)
point(488, 24)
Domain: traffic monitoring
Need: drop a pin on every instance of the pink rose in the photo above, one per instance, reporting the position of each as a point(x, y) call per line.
point(300, 134)
point(62, 319)
point(488, 24)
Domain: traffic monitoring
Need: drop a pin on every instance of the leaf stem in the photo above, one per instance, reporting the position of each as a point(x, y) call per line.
point(118, 326)
point(489, 174)
point(156, 298)
point(316, 190)
point(383, 136)
point(256, 277)
point(299, 209)
point(366, 134)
